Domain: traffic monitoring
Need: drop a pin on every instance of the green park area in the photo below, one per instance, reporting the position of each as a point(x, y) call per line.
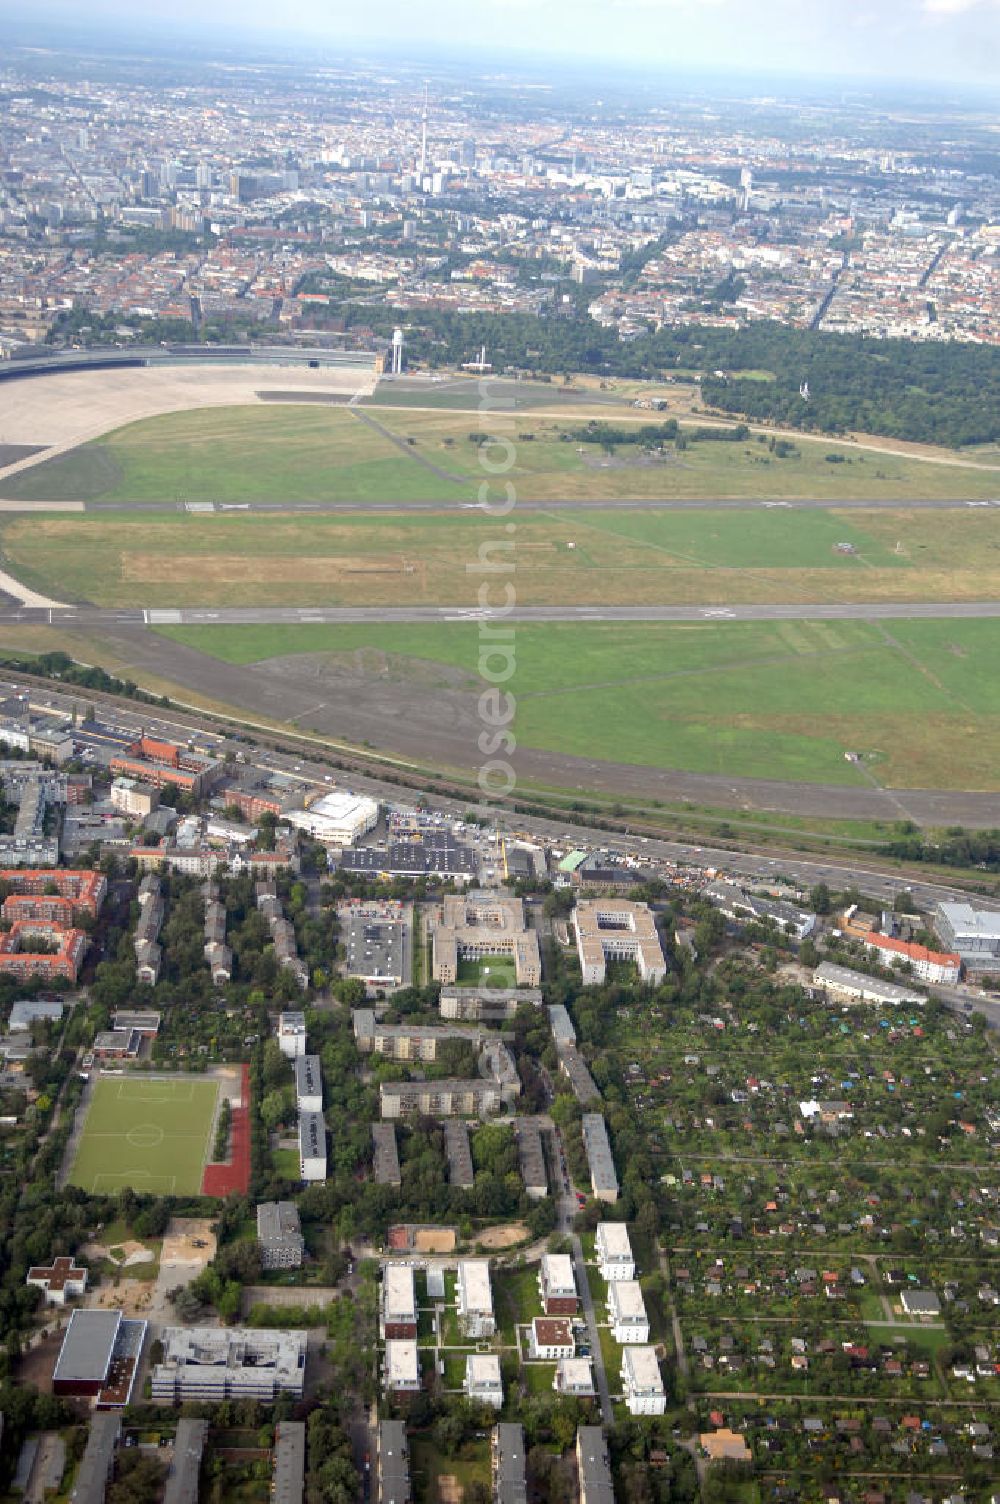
point(917, 701)
point(150, 1135)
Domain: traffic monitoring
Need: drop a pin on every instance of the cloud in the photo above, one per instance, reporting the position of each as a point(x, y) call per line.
point(957, 7)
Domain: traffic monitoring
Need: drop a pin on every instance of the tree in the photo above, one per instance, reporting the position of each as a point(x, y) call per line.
point(820, 898)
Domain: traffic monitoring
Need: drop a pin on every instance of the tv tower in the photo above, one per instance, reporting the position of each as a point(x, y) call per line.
point(423, 141)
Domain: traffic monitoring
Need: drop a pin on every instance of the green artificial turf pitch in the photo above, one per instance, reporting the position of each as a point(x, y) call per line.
point(152, 1135)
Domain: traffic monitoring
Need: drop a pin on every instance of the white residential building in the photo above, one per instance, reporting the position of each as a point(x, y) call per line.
point(482, 1379)
point(614, 1252)
point(475, 1298)
point(557, 1284)
point(292, 1034)
point(551, 1338)
point(644, 1392)
point(627, 1311)
point(574, 1378)
point(399, 1301)
point(402, 1365)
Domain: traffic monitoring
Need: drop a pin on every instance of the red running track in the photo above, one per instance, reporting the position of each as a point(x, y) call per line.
point(234, 1176)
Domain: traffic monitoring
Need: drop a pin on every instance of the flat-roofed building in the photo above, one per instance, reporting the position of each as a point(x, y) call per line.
point(627, 1311)
point(494, 1005)
point(288, 1481)
point(279, 1235)
point(600, 1160)
point(497, 1062)
point(312, 1146)
point(98, 1461)
point(531, 1158)
point(846, 986)
point(551, 1338)
point(402, 1365)
point(292, 1034)
point(417, 1042)
point(308, 1083)
point(574, 1068)
point(974, 934)
point(184, 1473)
point(440, 1099)
point(483, 1383)
point(337, 818)
point(434, 855)
point(557, 1285)
point(614, 1251)
point(593, 1466)
point(461, 1172)
point(385, 1154)
point(510, 1484)
point(399, 1301)
point(643, 1383)
point(478, 925)
point(221, 1363)
point(393, 1464)
point(375, 945)
point(574, 1378)
point(134, 798)
point(613, 929)
point(98, 1357)
point(475, 1298)
point(563, 1031)
point(30, 1011)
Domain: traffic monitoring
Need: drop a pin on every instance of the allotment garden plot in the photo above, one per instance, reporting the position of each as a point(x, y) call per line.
point(151, 1134)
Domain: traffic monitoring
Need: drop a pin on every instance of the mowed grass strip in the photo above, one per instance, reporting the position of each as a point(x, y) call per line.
point(773, 700)
point(149, 1134)
point(302, 453)
point(600, 557)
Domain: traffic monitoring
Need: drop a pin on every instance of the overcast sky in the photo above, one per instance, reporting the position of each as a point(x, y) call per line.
point(918, 39)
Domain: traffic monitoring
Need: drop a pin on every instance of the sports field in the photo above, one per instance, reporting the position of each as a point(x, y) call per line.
point(151, 1134)
point(300, 453)
point(920, 700)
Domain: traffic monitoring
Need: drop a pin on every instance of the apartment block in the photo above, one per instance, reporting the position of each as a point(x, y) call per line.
point(643, 1385)
point(627, 1311)
point(399, 1302)
point(600, 1160)
point(557, 1285)
point(475, 1299)
point(440, 1099)
point(614, 1252)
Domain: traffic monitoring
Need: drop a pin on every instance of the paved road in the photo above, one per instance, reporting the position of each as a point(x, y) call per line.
point(566, 1210)
point(560, 504)
point(229, 616)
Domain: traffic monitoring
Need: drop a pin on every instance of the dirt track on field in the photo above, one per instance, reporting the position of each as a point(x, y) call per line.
point(436, 722)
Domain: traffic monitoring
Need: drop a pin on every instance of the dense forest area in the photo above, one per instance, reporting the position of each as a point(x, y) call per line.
point(934, 392)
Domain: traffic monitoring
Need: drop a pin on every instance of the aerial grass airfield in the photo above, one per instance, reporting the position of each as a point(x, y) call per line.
point(724, 619)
